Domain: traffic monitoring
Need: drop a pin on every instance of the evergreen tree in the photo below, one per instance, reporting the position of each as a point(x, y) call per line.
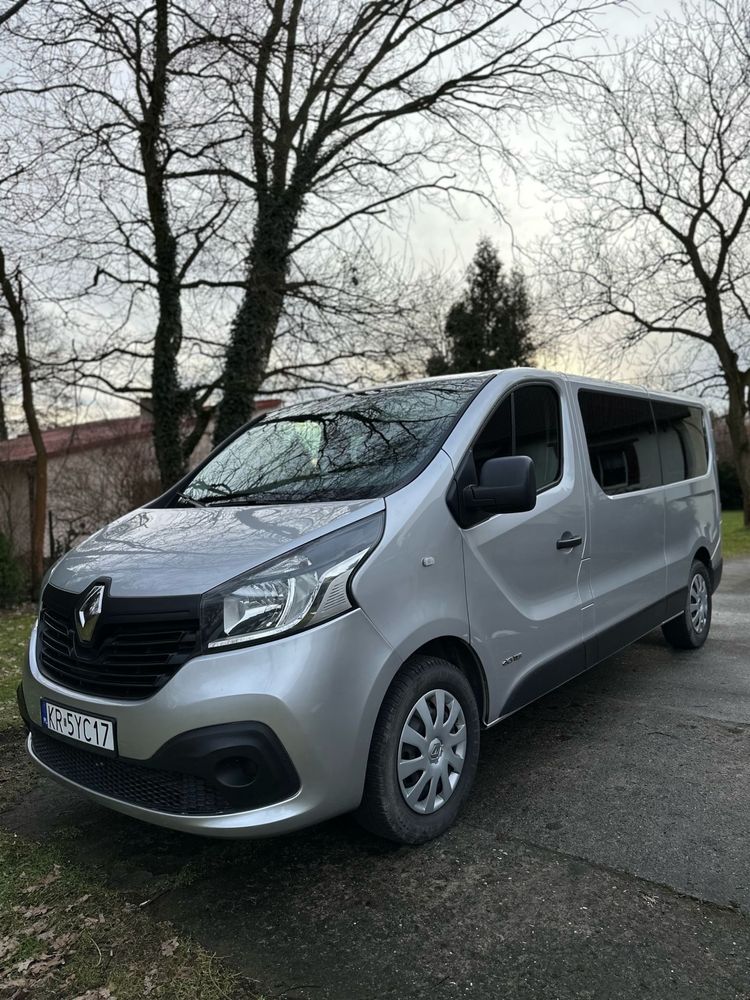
point(490, 325)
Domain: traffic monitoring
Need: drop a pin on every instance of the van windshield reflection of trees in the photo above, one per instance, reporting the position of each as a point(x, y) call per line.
point(349, 447)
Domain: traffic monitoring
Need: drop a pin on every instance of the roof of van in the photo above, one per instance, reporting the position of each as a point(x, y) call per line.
point(583, 380)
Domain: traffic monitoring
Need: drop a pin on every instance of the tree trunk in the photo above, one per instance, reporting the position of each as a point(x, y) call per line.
point(737, 389)
point(743, 475)
point(3, 421)
point(254, 326)
point(12, 291)
point(165, 390)
point(13, 9)
point(740, 439)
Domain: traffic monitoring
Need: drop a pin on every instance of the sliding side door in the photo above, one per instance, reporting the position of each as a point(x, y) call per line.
point(627, 517)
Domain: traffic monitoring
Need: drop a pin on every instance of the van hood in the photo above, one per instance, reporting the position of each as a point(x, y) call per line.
point(158, 552)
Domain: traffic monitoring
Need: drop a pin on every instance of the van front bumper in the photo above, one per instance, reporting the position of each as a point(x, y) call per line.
point(246, 742)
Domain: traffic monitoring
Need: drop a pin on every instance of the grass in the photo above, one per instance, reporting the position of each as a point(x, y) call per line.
point(735, 541)
point(15, 627)
point(64, 932)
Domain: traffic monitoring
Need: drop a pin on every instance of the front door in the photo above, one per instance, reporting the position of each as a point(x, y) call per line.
point(522, 569)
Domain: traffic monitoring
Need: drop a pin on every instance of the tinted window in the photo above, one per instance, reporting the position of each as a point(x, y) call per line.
point(526, 423)
point(621, 439)
point(347, 447)
point(682, 440)
point(496, 439)
point(536, 421)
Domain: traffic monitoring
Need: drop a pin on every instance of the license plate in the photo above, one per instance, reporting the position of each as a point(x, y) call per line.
point(79, 726)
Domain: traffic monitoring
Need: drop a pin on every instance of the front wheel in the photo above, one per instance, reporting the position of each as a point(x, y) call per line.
point(424, 753)
point(689, 630)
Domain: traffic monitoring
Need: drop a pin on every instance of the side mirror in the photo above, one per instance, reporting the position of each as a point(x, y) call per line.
point(506, 486)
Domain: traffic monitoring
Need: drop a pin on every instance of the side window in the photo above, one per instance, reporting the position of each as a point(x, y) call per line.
point(526, 423)
point(537, 431)
point(621, 440)
point(682, 440)
point(496, 439)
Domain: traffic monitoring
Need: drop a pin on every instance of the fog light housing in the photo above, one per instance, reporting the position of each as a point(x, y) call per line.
point(236, 772)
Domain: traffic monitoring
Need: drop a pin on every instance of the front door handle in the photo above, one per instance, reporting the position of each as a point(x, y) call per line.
point(568, 541)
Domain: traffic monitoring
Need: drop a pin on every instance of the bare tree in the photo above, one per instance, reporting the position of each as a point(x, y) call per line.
point(231, 158)
point(3, 368)
point(137, 102)
point(123, 92)
point(14, 8)
point(656, 238)
point(11, 288)
point(351, 108)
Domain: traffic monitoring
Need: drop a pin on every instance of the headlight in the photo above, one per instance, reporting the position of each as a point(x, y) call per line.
point(300, 589)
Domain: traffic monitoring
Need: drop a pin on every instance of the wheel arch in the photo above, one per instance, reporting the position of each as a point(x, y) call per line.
point(703, 555)
point(457, 651)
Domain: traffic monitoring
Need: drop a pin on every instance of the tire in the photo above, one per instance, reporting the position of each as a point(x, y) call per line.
point(439, 757)
point(689, 630)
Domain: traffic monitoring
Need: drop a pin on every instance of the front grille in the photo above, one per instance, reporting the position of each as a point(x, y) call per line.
point(133, 652)
point(164, 791)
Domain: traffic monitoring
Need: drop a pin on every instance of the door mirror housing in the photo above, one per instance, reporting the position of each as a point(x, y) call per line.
point(506, 486)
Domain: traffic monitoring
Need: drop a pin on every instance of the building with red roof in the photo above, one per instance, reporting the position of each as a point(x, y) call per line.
point(97, 471)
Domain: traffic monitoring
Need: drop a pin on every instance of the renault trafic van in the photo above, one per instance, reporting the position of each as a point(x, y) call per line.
point(323, 616)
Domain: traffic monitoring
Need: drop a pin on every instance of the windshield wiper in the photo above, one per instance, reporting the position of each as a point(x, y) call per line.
point(215, 491)
point(189, 499)
point(242, 498)
point(270, 499)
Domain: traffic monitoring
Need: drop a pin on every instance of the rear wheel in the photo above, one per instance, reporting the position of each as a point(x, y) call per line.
point(689, 630)
point(424, 753)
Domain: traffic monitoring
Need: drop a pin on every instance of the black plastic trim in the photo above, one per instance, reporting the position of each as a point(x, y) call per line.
point(199, 752)
point(568, 541)
point(547, 676)
point(563, 668)
point(127, 609)
point(88, 669)
point(717, 572)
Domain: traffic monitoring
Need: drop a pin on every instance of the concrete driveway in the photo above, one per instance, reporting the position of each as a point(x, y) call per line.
point(605, 853)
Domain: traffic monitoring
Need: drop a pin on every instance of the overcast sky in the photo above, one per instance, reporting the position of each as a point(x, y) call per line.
point(430, 237)
point(433, 237)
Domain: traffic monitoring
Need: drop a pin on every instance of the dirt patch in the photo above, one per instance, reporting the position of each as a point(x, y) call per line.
point(64, 934)
point(17, 775)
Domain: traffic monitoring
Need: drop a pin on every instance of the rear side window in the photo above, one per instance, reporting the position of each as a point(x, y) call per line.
point(682, 440)
point(527, 422)
point(621, 440)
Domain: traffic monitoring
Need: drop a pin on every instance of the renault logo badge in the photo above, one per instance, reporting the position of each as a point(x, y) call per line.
point(88, 612)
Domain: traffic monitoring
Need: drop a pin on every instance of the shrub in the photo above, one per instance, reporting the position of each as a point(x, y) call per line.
point(729, 487)
point(12, 577)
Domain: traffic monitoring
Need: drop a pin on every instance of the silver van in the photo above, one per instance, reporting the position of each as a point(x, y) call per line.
point(324, 615)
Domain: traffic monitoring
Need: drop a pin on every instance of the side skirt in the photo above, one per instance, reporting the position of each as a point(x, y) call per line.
point(563, 668)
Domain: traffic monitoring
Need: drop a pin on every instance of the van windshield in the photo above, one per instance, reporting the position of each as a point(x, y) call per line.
point(350, 447)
